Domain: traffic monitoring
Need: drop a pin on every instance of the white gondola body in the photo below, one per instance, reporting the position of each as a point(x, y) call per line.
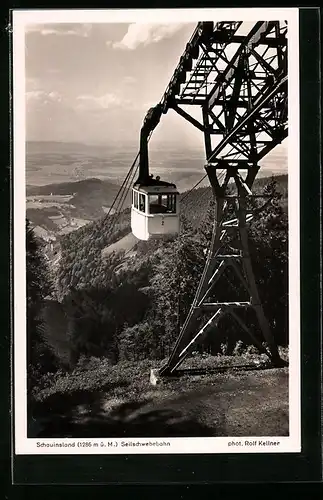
point(154, 211)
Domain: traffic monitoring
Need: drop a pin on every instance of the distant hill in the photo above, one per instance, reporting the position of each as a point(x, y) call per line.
point(82, 187)
point(89, 197)
point(62, 145)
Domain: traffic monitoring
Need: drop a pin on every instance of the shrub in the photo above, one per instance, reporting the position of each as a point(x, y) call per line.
point(239, 348)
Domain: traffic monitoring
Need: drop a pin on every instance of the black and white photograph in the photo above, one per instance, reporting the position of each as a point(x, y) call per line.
point(156, 231)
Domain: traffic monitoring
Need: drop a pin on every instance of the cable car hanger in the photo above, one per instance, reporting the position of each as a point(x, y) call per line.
point(155, 206)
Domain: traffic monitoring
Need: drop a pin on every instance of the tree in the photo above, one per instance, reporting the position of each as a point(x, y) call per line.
point(269, 253)
point(173, 285)
point(138, 342)
point(90, 323)
point(40, 359)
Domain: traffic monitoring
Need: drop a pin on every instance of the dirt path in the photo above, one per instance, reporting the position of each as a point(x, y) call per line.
point(230, 404)
point(126, 244)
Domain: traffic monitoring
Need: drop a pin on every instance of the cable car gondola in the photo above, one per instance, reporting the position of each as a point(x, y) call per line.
point(155, 209)
point(155, 203)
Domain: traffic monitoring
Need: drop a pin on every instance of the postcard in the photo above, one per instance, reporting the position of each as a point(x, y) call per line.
point(156, 265)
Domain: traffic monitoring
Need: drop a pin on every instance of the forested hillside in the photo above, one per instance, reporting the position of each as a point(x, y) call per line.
point(129, 306)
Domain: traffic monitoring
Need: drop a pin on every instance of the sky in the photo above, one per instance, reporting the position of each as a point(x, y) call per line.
point(94, 83)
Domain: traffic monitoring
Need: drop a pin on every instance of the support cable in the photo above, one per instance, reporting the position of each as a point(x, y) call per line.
point(221, 175)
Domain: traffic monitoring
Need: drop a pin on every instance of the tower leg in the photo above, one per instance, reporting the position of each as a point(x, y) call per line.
point(217, 261)
point(187, 332)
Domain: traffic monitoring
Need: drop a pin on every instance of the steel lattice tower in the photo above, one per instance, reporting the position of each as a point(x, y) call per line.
point(239, 82)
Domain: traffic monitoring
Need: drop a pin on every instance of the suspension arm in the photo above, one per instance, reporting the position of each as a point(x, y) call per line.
point(151, 121)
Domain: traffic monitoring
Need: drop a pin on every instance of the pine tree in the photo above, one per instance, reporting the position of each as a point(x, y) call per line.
point(269, 253)
point(173, 286)
point(39, 356)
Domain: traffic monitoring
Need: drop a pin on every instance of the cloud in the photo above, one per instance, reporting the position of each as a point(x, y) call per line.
point(105, 101)
point(49, 31)
point(42, 96)
point(62, 29)
point(145, 34)
point(34, 95)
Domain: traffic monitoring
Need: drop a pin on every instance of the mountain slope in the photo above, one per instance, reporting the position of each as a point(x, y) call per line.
point(97, 190)
point(88, 199)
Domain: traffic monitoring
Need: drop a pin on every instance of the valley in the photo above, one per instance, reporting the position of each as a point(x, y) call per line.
point(57, 209)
